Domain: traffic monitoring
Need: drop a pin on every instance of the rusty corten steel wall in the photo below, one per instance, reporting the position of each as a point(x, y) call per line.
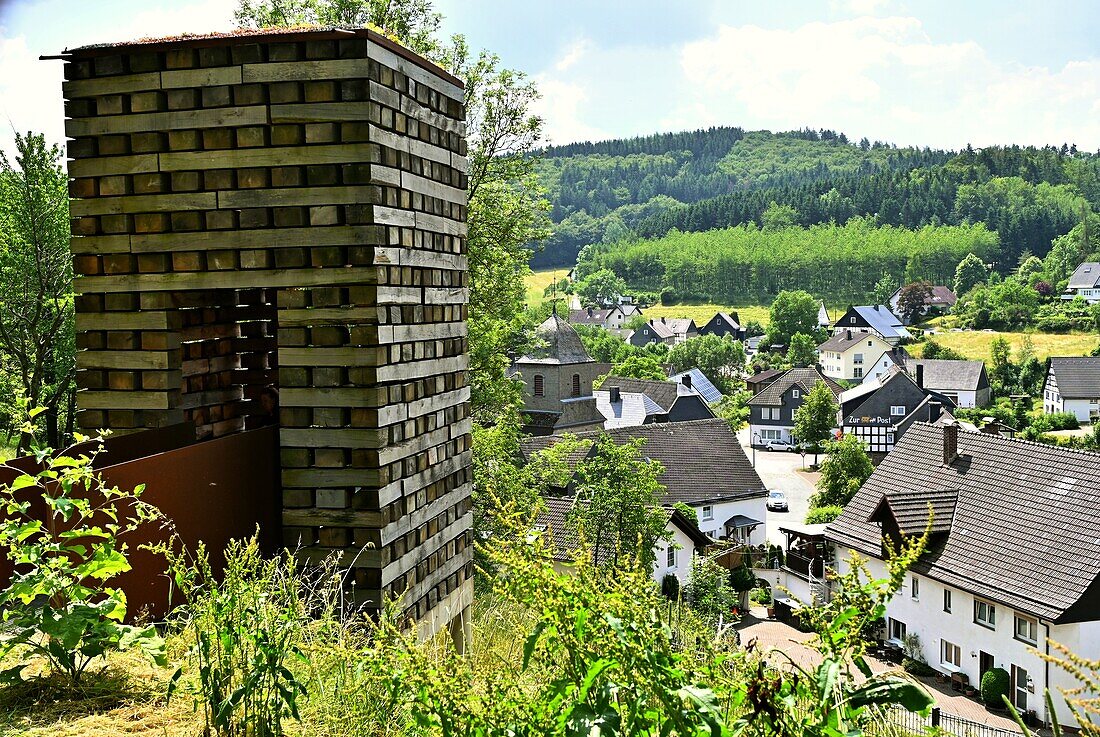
point(287, 209)
point(205, 489)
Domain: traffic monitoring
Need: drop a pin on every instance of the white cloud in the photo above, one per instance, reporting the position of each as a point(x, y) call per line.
point(562, 106)
point(30, 94)
point(573, 54)
point(858, 7)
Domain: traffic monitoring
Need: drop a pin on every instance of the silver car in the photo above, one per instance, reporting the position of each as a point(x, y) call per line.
point(777, 501)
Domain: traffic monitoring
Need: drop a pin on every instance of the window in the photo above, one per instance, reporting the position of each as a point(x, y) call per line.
point(897, 410)
point(947, 600)
point(858, 372)
point(857, 358)
point(852, 320)
point(1020, 688)
point(985, 614)
point(1026, 628)
point(914, 588)
point(870, 344)
point(538, 385)
point(576, 385)
point(771, 435)
point(794, 394)
point(708, 511)
point(889, 438)
point(670, 557)
point(950, 654)
point(897, 629)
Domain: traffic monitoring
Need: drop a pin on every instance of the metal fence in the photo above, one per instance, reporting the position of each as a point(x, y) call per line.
point(896, 720)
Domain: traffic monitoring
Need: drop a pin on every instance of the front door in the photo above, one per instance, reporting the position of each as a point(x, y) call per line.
point(1019, 688)
point(985, 662)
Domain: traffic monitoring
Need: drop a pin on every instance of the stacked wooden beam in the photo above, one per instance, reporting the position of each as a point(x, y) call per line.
point(287, 209)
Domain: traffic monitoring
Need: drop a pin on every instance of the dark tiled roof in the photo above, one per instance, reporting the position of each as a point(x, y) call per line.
point(588, 317)
point(763, 376)
point(941, 295)
point(804, 377)
point(1026, 527)
point(554, 518)
point(1085, 276)
point(845, 340)
point(947, 375)
point(702, 459)
point(1078, 377)
point(910, 509)
point(578, 412)
point(664, 393)
point(557, 342)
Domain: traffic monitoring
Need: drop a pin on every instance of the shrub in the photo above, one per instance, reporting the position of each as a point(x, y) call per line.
point(669, 296)
point(994, 686)
point(244, 632)
point(761, 595)
point(917, 667)
point(670, 586)
point(58, 604)
point(823, 515)
point(1055, 421)
point(708, 590)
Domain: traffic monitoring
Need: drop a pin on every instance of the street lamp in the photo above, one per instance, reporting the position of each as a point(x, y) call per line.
point(753, 442)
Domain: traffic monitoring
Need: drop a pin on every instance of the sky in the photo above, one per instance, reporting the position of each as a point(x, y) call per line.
point(914, 72)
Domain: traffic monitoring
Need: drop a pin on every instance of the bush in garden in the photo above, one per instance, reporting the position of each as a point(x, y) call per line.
point(823, 515)
point(63, 533)
point(708, 590)
point(994, 686)
point(245, 632)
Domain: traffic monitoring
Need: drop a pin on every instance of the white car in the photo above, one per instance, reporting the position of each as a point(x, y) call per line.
point(777, 501)
point(778, 445)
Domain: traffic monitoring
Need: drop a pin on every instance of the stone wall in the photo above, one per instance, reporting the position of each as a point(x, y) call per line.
point(287, 210)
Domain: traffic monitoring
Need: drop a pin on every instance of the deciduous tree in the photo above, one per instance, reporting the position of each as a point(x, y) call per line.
point(842, 473)
point(913, 300)
point(720, 358)
point(970, 272)
point(816, 417)
point(802, 350)
point(792, 312)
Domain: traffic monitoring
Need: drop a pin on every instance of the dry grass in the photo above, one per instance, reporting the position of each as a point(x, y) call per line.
point(974, 344)
point(125, 699)
point(702, 313)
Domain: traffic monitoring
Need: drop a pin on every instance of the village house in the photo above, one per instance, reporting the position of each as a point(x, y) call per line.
point(1085, 282)
point(966, 383)
point(723, 324)
point(557, 381)
point(668, 330)
point(673, 555)
point(879, 411)
point(1072, 384)
point(697, 380)
point(938, 302)
point(823, 320)
point(704, 468)
point(876, 319)
point(848, 354)
point(610, 318)
point(625, 402)
point(756, 382)
point(1012, 559)
point(771, 412)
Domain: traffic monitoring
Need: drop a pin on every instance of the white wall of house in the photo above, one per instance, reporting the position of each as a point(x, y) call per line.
point(941, 632)
point(854, 363)
point(674, 557)
point(722, 511)
point(1083, 409)
point(770, 432)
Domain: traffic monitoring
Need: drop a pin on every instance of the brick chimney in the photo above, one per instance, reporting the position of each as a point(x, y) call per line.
point(950, 443)
point(920, 376)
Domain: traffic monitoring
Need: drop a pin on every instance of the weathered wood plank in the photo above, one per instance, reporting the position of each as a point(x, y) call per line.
point(347, 153)
point(125, 320)
point(106, 166)
point(124, 359)
point(328, 316)
point(316, 437)
point(319, 112)
point(143, 203)
point(269, 278)
point(325, 356)
point(357, 397)
point(294, 197)
point(384, 56)
point(99, 244)
point(223, 117)
point(209, 77)
point(302, 71)
point(122, 400)
point(218, 240)
point(110, 85)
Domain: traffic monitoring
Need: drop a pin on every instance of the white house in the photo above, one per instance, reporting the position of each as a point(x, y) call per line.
point(704, 468)
point(1072, 384)
point(877, 319)
point(847, 355)
point(1085, 282)
point(610, 318)
point(965, 383)
point(1012, 558)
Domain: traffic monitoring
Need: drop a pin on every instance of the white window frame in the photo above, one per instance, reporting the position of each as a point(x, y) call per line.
point(670, 557)
point(989, 621)
point(1032, 628)
point(794, 394)
point(857, 372)
point(896, 629)
point(708, 512)
point(897, 410)
point(914, 588)
point(950, 654)
point(947, 600)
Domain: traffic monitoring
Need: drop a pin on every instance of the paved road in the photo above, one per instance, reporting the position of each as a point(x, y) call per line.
point(779, 472)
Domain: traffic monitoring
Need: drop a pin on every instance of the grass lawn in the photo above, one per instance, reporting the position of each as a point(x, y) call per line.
point(975, 343)
point(537, 282)
point(701, 313)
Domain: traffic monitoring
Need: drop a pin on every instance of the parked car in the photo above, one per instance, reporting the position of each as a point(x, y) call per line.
point(778, 445)
point(777, 501)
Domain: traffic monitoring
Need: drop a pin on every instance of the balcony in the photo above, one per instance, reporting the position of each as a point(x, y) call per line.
point(808, 567)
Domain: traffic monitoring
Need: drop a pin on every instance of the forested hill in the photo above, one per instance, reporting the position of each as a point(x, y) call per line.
point(621, 190)
point(612, 190)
